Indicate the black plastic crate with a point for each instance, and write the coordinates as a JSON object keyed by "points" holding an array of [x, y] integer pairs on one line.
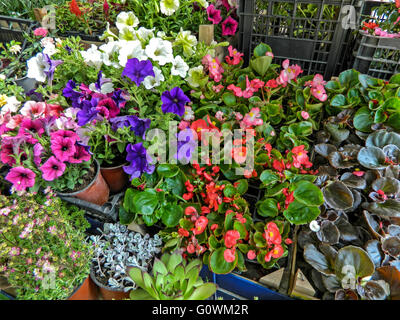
{"points": [[376, 56], [14, 28], [317, 42]]}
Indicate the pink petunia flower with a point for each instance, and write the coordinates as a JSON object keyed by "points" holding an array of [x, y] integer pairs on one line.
{"points": [[52, 169], [214, 15], [79, 156], [21, 178], [63, 148], [33, 109], [37, 153], [229, 26]]}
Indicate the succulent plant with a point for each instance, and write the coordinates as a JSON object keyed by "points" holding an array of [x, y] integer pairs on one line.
{"points": [[358, 228], [172, 278], [118, 248]]}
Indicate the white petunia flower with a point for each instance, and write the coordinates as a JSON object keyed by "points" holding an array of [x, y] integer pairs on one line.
{"points": [[50, 49], [151, 82], [194, 75], [203, 3], [160, 50], [168, 7], [127, 19], [187, 41], [2, 77], [109, 49], [36, 67], [179, 67], [129, 50], [93, 57], [144, 34], [314, 226], [12, 105]]}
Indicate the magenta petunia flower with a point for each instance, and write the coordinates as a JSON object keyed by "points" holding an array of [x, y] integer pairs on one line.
{"points": [[37, 153], [64, 134], [52, 169], [214, 15], [229, 26], [111, 106], [63, 148], [80, 155], [6, 153], [21, 178]]}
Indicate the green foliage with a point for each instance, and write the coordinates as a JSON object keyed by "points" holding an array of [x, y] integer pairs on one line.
{"points": [[172, 278]]}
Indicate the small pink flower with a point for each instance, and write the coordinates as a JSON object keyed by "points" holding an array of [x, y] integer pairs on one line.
{"points": [[15, 251], [319, 93], [236, 90], [218, 88], [358, 173], [229, 255], [234, 57], [251, 255], [40, 32], [220, 116], [183, 125], [305, 115], [269, 54]]}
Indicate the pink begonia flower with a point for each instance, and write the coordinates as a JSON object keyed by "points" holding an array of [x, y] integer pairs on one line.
{"points": [[21, 178], [251, 255], [238, 116], [234, 57], [52, 169], [40, 32], [236, 90], [218, 88], [269, 54], [229, 26], [253, 118], [183, 125], [319, 93], [214, 15], [220, 116], [229, 255], [305, 115]]}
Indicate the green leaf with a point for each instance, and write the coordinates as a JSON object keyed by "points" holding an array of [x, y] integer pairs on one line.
{"points": [[229, 99], [267, 207], [229, 190], [261, 64], [308, 193], [145, 202], [140, 294], [391, 105], [203, 292], [338, 100], [159, 267], [299, 213], [168, 170], [125, 217], [173, 262], [363, 120], [301, 129], [171, 214], [317, 260], [356, 259], [242, 186], [372, 158], [238, 226], [349, 78], [268, 177], [218, 264], [261, 50]]}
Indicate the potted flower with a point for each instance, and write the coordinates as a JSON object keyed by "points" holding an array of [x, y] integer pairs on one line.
{"points": [[40, 154], [116, 250], [44, 253]]}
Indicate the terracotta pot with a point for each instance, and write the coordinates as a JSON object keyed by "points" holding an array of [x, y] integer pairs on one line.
{"points": [[86, 291], [96, 192], [107, 293], [116, 178]]}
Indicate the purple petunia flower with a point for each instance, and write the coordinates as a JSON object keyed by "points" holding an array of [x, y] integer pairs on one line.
{"points": [[52, 169], [88, 111], [120, 122], [21, 178], [186, 145], [137, 70], [52, 65], [70, 92], [139, 126], [119, 97], [139, 161], [174, 101]]}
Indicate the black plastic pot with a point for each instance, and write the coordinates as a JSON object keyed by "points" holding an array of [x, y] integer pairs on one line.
{"points": [[14, 28], [27, 84]]}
